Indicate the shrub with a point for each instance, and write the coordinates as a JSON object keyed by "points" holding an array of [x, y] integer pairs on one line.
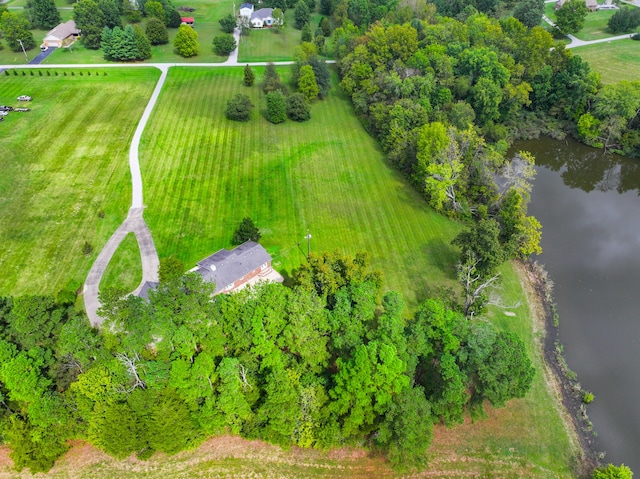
{"points": [[297, 108], [239, 108], [87, 248], [224, 44], [157, 32], [588, 397], [276, 107], [174, 20], [624, 20]]}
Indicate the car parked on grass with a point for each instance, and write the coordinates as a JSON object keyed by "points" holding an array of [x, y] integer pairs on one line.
{"points": [[611, 6], [24, 98]]}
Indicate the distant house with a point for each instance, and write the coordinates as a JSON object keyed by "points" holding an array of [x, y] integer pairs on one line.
{"points": [[246, 9], [187, 21], [232, 270], [63, 35], [592, 5], [262, 18]]}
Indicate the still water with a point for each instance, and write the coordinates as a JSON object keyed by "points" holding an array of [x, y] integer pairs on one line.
{"points": [[589, 207]]}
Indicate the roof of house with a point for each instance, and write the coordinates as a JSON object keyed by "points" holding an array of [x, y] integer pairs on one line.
{"points": [[247, 5], [146, 287], [262, 14], [227, 266], [187, 19], [63, 30]]}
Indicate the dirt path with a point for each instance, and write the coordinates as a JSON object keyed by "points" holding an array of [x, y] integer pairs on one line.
{"points": [[133, 224]]}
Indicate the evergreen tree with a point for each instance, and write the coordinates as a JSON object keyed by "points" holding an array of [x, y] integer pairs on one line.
{"points": [[301, 14], [224, 44], [249, 76], [307, 83], [186, 42], [271, 80], [174, 19], [247, 231], [43, 13], [297, 108], [143, 45], [276, 107], [228, 23], [239, 109], [157, 32], [306, 33], [154, 9]]}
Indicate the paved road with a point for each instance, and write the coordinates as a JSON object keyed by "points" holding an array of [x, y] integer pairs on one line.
{"points": [[576, 42], [133, 224]]}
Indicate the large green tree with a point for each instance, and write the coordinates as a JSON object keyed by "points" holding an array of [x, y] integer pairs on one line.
{"points": [[156, 32], [186, 42], [43, 13], [90, 20], [571, 16], [529, 12], [15, 29]]}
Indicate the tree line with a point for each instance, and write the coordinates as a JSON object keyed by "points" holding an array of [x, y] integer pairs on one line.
{"points": [[320, 364]]}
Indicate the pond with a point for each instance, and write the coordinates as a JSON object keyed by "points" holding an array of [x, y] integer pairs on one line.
{"points": [[589, 208]]}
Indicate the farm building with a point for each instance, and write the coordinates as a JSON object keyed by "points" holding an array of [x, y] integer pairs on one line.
{"points": [[63, 35], [232, 270], [187, 21]]}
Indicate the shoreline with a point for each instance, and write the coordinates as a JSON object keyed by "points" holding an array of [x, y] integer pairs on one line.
{"points": [[567, 391]]}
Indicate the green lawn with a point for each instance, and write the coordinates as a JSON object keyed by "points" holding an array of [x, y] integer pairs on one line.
{"points": [[595, 25], [205, 173], [615, 61], [270, 45], [125, 268], [63, 164]]}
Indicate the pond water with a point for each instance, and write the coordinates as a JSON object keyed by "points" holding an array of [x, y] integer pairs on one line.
{"points": [[589, 207]]}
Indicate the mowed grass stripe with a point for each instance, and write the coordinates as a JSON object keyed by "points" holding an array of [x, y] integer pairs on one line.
{"points": [[326, 175], [63, 163]]}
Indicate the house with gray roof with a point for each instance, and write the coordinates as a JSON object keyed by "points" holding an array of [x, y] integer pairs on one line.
{"points": [[63, 35], [232, 270], [262, 18]]}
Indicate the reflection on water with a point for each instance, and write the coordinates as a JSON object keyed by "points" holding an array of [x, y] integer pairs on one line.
{"points": [[586, 168], [588, 205]]}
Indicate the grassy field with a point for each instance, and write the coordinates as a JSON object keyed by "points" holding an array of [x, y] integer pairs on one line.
{"points": [[615, 61], [269, 45], [63, 165], [125, 269], [205, 173]]}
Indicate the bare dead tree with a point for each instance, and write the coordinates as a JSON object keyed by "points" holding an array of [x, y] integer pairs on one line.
{"points": [[243, 378], [473, 283], [131, 363]]}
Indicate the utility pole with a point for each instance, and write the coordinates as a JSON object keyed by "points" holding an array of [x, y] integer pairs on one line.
{"points": [[24, 51], [308, 243]]}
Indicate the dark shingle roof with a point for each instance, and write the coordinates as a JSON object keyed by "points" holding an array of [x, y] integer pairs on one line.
{"points": [[247, 5], [262, 14], [225, 267]]}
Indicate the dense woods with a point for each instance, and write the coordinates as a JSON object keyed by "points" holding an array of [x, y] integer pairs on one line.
{"points": [[320, 364]]}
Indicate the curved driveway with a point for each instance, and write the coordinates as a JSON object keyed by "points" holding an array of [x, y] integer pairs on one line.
{"points": [[133, 224]]}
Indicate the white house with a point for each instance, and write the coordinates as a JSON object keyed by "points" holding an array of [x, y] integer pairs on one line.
{"points": [[62, 35], [246, 9], [262, 18]]}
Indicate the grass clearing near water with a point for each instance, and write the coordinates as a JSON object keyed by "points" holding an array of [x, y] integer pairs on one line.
{"points": [[125, 268], [615, 61], [64, 163]]}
